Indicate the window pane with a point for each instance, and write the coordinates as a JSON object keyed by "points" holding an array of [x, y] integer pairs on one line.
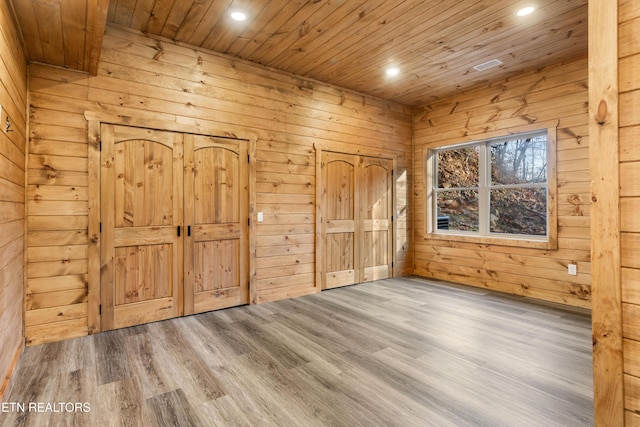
{"points": [[519, 161], [458, 168], [458, 210], [519, 211]]}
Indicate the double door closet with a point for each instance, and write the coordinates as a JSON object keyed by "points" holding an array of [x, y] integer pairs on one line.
{"points": [[174, 231], [356, 219]]}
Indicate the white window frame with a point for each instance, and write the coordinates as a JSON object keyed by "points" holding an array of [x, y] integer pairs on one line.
{"points": [[483, 235]]}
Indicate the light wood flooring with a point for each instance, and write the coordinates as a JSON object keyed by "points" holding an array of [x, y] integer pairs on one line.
{"points": [[401, 352]]}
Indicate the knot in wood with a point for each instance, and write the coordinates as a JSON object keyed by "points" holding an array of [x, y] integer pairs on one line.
{"points": [[601, 114]]}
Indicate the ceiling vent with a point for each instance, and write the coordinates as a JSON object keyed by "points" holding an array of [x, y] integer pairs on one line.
{"points": [[487, 65]]}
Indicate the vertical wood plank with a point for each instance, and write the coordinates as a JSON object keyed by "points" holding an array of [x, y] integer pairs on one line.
{"points": [[93, 274], [552, 185], [244, 207], [191, 255], [394, 210], [251, 250], [96, 22], [321, 241], [605, 217], [359, 195], [107, 255], [177, 290]]}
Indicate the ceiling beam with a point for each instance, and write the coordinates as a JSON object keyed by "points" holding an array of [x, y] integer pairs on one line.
{"points": [[96, 22]]}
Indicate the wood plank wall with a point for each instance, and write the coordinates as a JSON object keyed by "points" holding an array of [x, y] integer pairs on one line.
{"points": [[13, 99], [629, 152], [159, 80], [558, 93], [604, 167]]}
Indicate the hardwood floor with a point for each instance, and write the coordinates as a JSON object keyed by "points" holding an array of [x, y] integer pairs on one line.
{"points": [[402, 352]]}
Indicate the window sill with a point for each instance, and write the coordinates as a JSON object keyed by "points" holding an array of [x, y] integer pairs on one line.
{"points": [[521, 242]]}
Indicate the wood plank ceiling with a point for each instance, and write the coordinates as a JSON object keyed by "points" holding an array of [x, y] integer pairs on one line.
{"points": [[349, 43]]}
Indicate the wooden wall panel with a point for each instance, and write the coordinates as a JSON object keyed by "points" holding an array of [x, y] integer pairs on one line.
{"points": [[13, 102], [629, 87], [555, 94], [606, 112], [156, 79]]}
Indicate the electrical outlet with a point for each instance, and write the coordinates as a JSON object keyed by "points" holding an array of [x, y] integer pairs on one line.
{"points": [[572, 269]]}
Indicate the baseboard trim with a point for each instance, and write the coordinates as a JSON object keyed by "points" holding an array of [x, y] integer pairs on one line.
{"points": [[7, 382]]}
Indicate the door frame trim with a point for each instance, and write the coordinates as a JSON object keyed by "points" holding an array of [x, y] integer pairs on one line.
{"points": [[319, 240], [214, 129]]}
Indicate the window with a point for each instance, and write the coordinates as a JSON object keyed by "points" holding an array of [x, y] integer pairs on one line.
{"points": [[497, 188]]}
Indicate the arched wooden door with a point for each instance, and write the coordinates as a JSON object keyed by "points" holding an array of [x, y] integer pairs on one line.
{"points": [[174, 234], [376, 218], [216, 209], [356, 219], [141, 210], [340, 225]]}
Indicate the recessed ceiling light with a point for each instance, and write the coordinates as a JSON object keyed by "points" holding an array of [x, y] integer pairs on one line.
{"points": [[525, 11], [238, 15], [392, 71]]}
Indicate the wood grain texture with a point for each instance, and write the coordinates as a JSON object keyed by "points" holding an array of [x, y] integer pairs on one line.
{"points": [[558, 95], [216, 200], [348, 44], [141, 202], [391, 352], [13, 102], [629, 158], [187, 90], [66, 33], [355, 241]]}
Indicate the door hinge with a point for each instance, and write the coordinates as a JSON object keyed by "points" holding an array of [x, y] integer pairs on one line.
{"points": [[248, 158], [249, 221], [391, 218], [100, 143], [100, 310], [391, 264], [101, 227]]}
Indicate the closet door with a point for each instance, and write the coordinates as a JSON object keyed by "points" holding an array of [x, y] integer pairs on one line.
{"points": [[141, 210], [376, 218], [339, 223], [216, 214], [356, 243]]}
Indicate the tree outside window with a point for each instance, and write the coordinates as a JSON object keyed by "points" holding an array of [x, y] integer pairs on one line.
{"points": [[494, 187]]}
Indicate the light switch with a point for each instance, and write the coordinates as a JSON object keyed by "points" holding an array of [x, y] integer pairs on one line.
{"points": [[573, 269], [260, 217]]}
